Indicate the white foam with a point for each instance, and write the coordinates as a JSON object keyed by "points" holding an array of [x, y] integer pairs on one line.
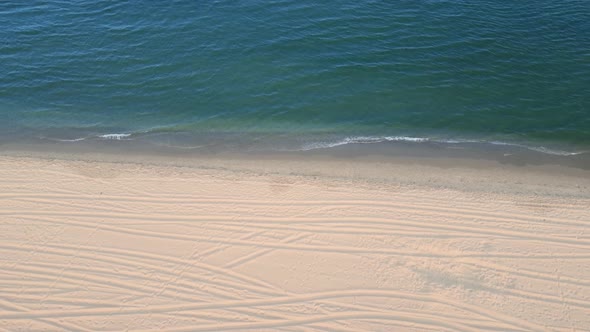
{"points": [[361, 140], [64, 139], [406, 139], [541, 149], [379, 139], [71, 140], [554, 152], [117, 137]]}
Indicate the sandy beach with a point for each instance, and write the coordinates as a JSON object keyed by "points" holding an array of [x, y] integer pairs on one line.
{"points": [[219, 244]]}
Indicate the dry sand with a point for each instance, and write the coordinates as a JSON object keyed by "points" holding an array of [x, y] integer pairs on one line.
{"points": [[216, 245]]}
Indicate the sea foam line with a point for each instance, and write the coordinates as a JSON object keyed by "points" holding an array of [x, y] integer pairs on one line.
{"points": [[117, 137], [361, 140], [380, 139], [364, 140], [67, 140]]}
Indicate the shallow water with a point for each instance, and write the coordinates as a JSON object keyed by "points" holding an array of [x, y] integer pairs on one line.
{"points": [[295, 74]]}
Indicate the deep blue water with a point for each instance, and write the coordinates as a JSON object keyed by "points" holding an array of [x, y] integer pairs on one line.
{"points": [[297, 73]]}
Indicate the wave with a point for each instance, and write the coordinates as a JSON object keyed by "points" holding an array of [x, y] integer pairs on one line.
{"points": [[66, 140], [117, 137], [359, 140], [331, 143], [381, 139]]}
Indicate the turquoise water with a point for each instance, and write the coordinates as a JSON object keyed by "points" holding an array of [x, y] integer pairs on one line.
{"points": [[297, 73]]}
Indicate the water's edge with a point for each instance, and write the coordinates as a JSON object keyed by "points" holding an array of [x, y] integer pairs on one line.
{"points": [[379, 148]]}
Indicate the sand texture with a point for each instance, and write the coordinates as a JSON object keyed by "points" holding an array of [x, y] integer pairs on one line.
{"points": [[101, 246]]}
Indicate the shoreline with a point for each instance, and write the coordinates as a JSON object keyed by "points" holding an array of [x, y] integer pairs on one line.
{"points": [[187, 143], [405, 164]]}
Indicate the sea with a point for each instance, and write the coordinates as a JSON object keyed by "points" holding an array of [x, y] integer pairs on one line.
{"points": [[296, 75]]}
